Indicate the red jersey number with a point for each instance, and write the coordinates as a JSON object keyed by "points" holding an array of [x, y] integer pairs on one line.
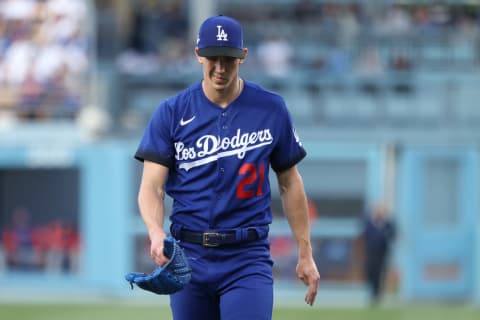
{"points": [[252, 176]]}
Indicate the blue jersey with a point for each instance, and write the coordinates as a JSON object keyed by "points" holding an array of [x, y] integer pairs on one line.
{"points": [[219, 158]]}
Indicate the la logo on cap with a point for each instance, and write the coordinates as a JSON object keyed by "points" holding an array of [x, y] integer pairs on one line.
{"points": [[221, 35]]}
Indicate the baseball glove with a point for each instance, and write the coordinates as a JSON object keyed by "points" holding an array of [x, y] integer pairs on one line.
{"points": [[166, 279]]}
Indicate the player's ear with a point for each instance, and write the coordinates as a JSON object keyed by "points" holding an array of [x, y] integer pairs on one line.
{"points": [[245, 51], [199, 59]]}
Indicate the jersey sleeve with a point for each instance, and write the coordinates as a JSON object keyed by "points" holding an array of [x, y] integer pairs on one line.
{"points": [[156, 144], [288, 150]]}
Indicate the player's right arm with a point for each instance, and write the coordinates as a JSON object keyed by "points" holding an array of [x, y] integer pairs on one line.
{"points": [[151, 197]]}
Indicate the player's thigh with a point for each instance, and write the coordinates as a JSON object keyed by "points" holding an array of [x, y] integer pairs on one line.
{"points": [[194, 302], [249, 298]]}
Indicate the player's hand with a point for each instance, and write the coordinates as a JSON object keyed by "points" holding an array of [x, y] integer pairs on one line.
{"points": [[156, 248], [307, 272]]}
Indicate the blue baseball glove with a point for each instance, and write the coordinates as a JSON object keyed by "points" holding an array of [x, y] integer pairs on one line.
{"points": [[166, 279]]}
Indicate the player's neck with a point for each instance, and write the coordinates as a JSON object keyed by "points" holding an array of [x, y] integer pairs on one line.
{"points": [[225, 96]]}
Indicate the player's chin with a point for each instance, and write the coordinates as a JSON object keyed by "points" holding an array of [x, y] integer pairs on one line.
{"points": [[220, 86]]}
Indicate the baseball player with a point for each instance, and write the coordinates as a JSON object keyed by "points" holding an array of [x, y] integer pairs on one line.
{"points": [[210, 148]]}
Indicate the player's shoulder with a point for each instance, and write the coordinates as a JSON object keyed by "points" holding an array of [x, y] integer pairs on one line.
{"points": [[269, 101], [261, 92], [180, 100], [182, 96]]}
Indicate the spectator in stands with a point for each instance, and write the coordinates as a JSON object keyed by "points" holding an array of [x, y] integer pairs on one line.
{"points": [[425, 23], [348, 26], [31, 97], [275, 55], [338, 61], [60, 95], [369, 67], [369, 63], [396, 22], [18, 55], [400, 62], [400, 66]]}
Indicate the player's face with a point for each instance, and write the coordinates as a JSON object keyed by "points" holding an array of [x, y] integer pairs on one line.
{"points": [[220, 72]]}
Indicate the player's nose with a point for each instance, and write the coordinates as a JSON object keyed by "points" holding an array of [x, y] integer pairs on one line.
{"points": [[220, 64]]}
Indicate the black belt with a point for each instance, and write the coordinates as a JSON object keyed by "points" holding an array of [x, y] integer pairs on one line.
{"points": [[216, 239]]}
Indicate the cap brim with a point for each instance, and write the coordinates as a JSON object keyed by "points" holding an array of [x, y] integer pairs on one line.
{"points": [[221, 52]]}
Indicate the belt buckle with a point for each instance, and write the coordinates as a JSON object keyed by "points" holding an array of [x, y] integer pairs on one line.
{"points": [[206, 239]]}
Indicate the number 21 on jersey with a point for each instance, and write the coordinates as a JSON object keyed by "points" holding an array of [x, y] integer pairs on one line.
{"points": [[251, 183]]}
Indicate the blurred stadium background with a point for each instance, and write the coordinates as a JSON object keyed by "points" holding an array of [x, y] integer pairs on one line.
{"points": [[385, 95]]}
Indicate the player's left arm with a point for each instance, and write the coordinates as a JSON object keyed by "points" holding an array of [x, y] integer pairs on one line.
{"points": [[294, 202]]}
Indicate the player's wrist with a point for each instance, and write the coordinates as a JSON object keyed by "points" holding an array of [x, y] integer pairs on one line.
{"points": [[304, 249], [156, 233]]}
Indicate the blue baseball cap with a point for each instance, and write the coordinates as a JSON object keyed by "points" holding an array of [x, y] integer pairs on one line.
{"points": [[220, 36]]}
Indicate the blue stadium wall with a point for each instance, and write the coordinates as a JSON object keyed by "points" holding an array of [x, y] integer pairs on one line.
{"points": [[109, 220]]}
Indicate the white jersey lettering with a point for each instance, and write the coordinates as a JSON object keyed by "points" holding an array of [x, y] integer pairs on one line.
{"points": [[209, 148]]}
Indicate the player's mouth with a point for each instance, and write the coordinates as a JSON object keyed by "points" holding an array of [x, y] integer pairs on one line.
{"points": [[219, 79]]}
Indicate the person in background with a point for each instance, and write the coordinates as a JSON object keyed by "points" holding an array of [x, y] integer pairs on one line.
{"points": [[379, 233]]}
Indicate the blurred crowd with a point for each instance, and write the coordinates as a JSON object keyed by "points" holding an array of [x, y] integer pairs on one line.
{"points": [[43, 58], [154, 35], [363, 38], [45, 45], [53, 246], [335, 37]]}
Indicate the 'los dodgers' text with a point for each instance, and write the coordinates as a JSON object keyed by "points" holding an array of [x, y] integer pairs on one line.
{"points": [[209, 148]]}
